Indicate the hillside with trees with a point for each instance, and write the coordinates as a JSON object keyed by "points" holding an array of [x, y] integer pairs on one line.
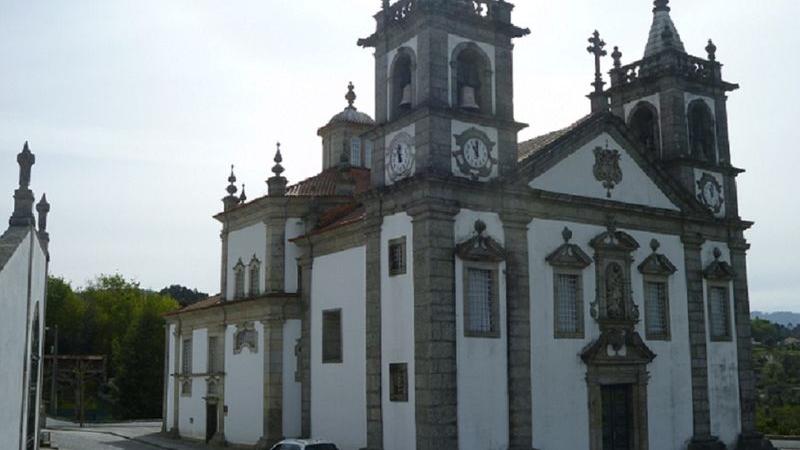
{"points": [[776, 357]]}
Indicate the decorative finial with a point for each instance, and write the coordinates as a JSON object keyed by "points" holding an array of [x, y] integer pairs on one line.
{"points": [[43, 208], [566, 233], [611, 225], [717, 253], [712, 50], [480, 227], [384, 4], [617, 55], [655, 245], [278, 169], [242, 196], [351, 95], [232, 186], [597, 49], [26, 160], [661, 5]]}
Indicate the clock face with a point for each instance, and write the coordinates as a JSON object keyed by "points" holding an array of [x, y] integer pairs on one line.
{"points": [[476, 153], [473, 155], [710, 193], [400, 157]]}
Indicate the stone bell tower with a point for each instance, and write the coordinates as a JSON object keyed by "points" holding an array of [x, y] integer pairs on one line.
{"points": [[444, 89], [675, 104]]}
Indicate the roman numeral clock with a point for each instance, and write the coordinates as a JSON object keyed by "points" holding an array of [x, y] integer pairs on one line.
{"points": [[475, 155]]}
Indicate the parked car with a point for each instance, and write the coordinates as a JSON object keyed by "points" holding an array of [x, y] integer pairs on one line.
{"points": [[305, 444]]}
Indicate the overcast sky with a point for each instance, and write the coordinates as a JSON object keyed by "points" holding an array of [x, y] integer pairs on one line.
{"points": [[136, 109]]}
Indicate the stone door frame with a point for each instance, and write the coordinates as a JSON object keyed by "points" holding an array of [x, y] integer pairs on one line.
{"points": [[637, 377]]}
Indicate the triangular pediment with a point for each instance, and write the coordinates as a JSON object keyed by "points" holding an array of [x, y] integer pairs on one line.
{"points": [[597, 160]]}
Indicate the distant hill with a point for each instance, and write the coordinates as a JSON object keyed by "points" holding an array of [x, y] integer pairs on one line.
{"points": [[783, 317]]}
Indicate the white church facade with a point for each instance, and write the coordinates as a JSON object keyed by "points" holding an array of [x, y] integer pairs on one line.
{"points": [[442, 285], [24, 260]]}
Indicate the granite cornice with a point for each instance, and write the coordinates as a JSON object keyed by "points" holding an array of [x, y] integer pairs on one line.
{"points": [[286, 305], [333, 241]]}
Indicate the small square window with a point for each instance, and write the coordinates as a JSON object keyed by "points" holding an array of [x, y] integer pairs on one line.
{"points": [[398, 378], [397, 256], [332, 337], [481, 303], [568, 305], [656, 304], [719, 313]]}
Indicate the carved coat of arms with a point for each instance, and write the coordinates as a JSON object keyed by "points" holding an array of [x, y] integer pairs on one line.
{"points": [[606, 168]]}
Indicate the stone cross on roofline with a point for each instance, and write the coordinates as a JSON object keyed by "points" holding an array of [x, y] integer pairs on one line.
{"points": [[598, 50]]}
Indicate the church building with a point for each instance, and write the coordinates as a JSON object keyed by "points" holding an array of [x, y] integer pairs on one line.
{"points": [[24, 261], [443, 285]]}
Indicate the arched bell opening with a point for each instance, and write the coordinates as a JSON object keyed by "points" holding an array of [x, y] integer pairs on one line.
{"points": [[643, 123], [472, 79], [402, 83], [702, 132]]}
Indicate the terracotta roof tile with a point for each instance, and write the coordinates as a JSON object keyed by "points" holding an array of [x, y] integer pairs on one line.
{"points": [[535, 145], [324, 183], [202, 304]]}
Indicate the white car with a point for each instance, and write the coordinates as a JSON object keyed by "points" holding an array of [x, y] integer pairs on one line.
{"points": [[305, 444]]}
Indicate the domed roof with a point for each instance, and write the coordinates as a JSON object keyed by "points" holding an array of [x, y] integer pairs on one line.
{"points": [[351, 114]]}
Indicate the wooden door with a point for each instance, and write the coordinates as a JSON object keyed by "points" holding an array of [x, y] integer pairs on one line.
{"points": [[617, 418]]}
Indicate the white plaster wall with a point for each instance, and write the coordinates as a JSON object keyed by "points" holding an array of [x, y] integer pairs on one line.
{"points": [[170, 387], [244, 390], [192, 415], [244, 243], [292, 395], [559, 385], [294, 228], [410, 44], [482, 362], [723, 366], [13, 297], [453, 41], [338, 400], [397, 335], [411, 131], [574, 175], [38, 284], [457, 129]]}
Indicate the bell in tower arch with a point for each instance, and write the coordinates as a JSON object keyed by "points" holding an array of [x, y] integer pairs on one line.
{"points": [[468, 98], [405, 100]]}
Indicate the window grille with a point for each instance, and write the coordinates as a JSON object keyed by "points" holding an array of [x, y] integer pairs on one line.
{"points": [[214, 355], [355, 152], [481, 304], [186, 357], [255, 278], [397, 256], [656, 309], [332, 336], [568, 304], [398, 377], [718, 312]]}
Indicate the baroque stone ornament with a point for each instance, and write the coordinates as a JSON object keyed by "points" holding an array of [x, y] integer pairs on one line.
{"points": [[245, 336], [607, 169], [481, 247], [657, 264], [568, 255], [719, 270], [475, 154], [709, 192]]}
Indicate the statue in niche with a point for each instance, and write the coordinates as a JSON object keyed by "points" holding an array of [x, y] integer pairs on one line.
{"points": [[615, 292]]}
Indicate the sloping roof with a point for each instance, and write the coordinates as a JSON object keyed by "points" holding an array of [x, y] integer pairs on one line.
{"points": [[202, 304], [324, 183], [9, 241], [535, 145], [663, 33], [352, 115]]}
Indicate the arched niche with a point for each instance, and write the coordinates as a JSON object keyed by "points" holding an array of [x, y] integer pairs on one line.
{"points": [[644, 124], [472, 67], [402, 74], [702, 131]]}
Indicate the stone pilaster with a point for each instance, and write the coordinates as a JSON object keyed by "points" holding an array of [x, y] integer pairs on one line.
{"points": [[273, 383], [166, 379], [276, 254], [701, 439], [519, 331], [373, 324], [176, 386], [223, 276], [306, 266], [435, 325]]}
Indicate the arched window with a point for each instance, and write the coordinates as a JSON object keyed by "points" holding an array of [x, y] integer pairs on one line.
{"points": [[255, 277], [643, 123], [472, 79], [355, 152], [238, 280], [702, 132], [402, 88]]}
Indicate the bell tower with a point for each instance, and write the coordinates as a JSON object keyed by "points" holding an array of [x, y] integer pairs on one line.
{"points": [[444, 90], [675, 105]]}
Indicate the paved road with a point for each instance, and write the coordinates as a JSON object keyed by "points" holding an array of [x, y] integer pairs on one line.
{"points": [[115, 436], [83, 440], [786, 445]]}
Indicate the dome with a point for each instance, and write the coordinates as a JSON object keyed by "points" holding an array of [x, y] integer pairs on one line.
{"points": [[351, 114]]}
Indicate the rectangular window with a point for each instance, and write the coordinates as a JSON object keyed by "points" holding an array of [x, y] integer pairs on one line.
{"points": [[332, 337], [355, 152], [215, 355], [481, 303], [719, 313], [238, 283], [656, 305], [255, 279], [398, 378], [397, 256], [186, 357], [568, 308]]}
